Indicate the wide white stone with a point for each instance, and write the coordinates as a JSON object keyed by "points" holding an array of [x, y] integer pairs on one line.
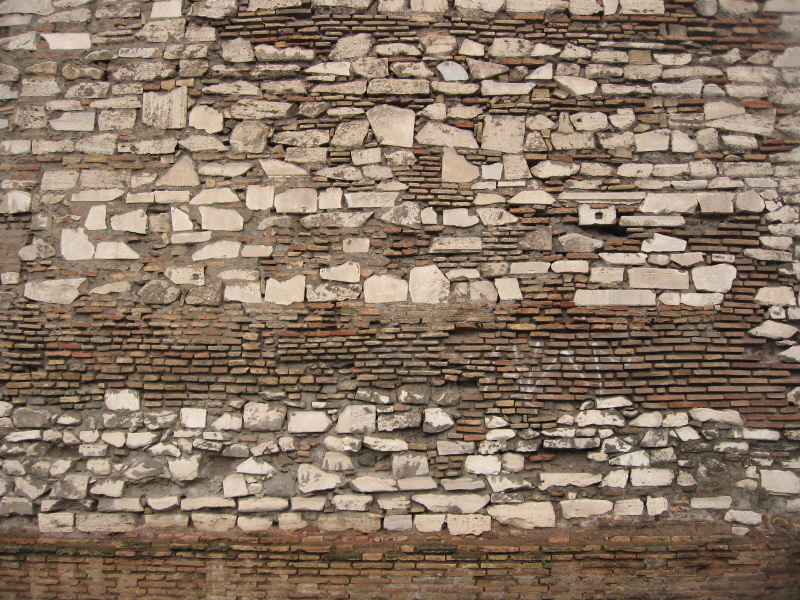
{"points": [[585, 508], [663, 243], [780, 482], [54, 291], [548, 480], [652, 477], [704, 415], [452, 503], [776, 296], [220, 219], [349, 272], [615, 298], [774, 330], [438, 134], [664, 279], [221, 249], [577, 86], [134, 221], [745, 517], [308, 421], [468, 524]]}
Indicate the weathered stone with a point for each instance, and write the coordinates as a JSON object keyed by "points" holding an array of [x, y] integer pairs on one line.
{"points": [[452, 503], [438, 134], [385, 288], [456, 168], [527, 515], [311, 479], [357, 419], [584, 508], [665, 279], [181, 174], [717, 278], [615, 298], [428, 285], [54, 291], [165, 111], [285, 292], [105, 522], [776, 296], [158, 292], [784, 483], [503, 133]]}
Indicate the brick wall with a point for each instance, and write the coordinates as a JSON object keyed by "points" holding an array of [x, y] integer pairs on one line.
{"points": [[624, 563]]}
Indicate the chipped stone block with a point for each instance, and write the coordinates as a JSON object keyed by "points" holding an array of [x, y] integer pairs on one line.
{"points": [[105, 522], [585, 508], [615, 298]]}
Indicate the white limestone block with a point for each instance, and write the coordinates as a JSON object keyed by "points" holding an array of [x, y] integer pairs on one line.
{"points": [[75, 244], [216, 250], [385, 288], [438, 134], [285, 292], [615, 298], [652, 477], [428, 285], [463, 504], [585, 508], [357, 419], [349, 272], [311, 479], [457, 169]]}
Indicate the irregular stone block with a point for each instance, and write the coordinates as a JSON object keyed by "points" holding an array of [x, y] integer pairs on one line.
{"points": [[158, 292], [285, 292], [585, 508], [455, 245], [385, 288], [460, 504], [468, 524], [438, 134], [428, 285], [652, 477], [105, 522], [504, 133], [665, 279], [357, 419], [729, 416], [165, 111], [311, 479], [457, 169], [526, 515], [784, 483], [615, 298], [343, 522], [308, 421], [54, 291]]}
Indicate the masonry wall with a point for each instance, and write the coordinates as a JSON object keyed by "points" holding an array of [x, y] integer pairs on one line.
{"points": [[461, 269]]}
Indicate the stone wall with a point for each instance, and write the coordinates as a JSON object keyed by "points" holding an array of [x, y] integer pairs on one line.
{"points": [[368, 265]]}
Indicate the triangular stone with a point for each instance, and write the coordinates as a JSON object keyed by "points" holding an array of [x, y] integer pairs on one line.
{"points": [[181, 174]]}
